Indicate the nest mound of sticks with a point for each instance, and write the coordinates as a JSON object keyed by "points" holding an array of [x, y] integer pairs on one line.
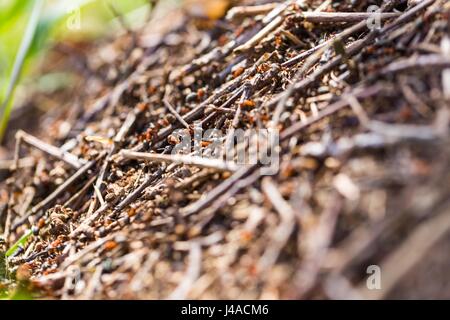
{"points": [[360, 99]]}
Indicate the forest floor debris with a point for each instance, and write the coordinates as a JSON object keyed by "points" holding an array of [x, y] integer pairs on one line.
{"points": [[109, 211]]}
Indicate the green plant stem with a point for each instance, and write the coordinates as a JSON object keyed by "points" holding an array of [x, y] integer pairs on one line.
{"points": [[18, 243], [5, 108]]}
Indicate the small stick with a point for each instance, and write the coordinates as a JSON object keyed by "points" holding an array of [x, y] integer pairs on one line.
{"points": [[416, 63], [185, 159], [67, 157], [285, 135], [421, 107], [138, 191], [293, 38], [419, 132], [15, 163], [114, 95], [55, 194], [336, 17], [308, 81], [118, 139], [138, 280], [246, 11], [107, 205], [287, 93], [68, 282], [275, 23], [126, 126], [407, 15], [219, 53], [314, 17], [198, 111], [7, 227], [98, 193], [324, 5], [74, 258], [206, 241], [217, 191], [221, 109], [192, 273], [29, 193], [26, 162], [222, 200], [199, 176], [340, 36], [317, 242], [445, 45], [303, 55], [423, 239], [92, 205], [80, 193], [176, 114], [283, 231], [303, 70], [331, 109], [94, 283], [89, 220], [355, 48]]}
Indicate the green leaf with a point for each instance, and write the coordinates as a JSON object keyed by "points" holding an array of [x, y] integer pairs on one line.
{"points": [[12, 11], [19, 243]]}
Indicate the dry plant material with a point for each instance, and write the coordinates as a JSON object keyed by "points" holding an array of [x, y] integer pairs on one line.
{"points": [[364, 157]]}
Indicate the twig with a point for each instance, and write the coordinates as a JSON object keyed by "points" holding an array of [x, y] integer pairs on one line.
{"points": [[114, 95], [29, 193], [226, 88], [337, 17], [80, 254], [318, 241], [55, 194], [415, 101], [199, 176], [418, 132], [192, 273], [25, 162], [283, 231], [416, 63], [138, 281], [89, 220], [339, 37], [260, 35], [221, 201], [184, 159], [98, 193], [138, 191], [407, 15], [217, 191], [94, 283], [77, 195], [246, 11], [333, 108], [206, 241], [176, 114], [422, 239], [356, 47], [67, 157], [118, 140]]}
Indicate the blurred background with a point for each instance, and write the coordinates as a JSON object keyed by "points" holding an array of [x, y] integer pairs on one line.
{"points": [[28, 28]]}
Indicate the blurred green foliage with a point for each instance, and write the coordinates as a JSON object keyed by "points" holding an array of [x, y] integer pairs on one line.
{"points": [[59, 19]]}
